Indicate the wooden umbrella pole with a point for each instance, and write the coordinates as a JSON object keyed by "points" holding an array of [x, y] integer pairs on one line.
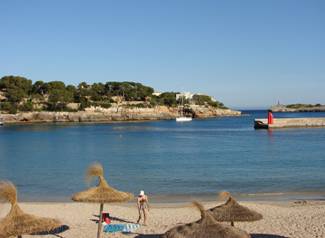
{"points": [[100, 220], [19, 236]]}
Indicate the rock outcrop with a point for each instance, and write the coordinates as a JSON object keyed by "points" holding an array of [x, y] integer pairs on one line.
{"points": [[115, 114]]}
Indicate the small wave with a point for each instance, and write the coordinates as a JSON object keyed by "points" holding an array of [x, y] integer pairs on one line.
{"points": [[265, 194]]}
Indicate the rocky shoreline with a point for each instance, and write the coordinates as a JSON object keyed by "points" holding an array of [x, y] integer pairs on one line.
{"points": [[114, 114]]}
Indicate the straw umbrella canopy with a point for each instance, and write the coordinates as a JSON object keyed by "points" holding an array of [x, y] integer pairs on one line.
{"points": [[206, 227], [101, 194], [18, 223], [232, 211]]}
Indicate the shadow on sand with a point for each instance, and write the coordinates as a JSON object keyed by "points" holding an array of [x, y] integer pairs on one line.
{"points": [[113, 219], [121, 220], [148, 236], [252, 236], [266, 236], [54, 232]]}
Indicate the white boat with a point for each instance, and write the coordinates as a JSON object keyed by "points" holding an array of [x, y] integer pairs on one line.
{"points": [[1, 123], [183, 119]]}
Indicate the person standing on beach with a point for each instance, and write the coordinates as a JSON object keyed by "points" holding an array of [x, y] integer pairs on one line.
{"points": [[143, 206]]}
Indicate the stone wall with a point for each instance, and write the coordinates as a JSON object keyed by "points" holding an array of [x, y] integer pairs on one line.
{"points": [[290, 123]]}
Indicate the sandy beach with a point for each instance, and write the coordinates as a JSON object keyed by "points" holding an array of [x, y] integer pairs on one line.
{"points": [[281, 219]]}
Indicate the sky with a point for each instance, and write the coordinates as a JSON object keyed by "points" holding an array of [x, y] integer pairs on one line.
{"points": [[246, 54]]}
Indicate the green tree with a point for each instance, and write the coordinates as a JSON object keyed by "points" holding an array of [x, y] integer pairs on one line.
{"points": [[40, 88], [131, 91], [72, 92], [97, 92], [168, 99], [206, 100], [17, 88], [59, 95], [8, 107]]}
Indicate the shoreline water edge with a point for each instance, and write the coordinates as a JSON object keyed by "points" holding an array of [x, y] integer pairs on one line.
{"points": [[114, 115], [183, 199]]}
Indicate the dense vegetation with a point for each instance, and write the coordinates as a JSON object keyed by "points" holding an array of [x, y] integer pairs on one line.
{"points": [[205, 99], [21, 94]]}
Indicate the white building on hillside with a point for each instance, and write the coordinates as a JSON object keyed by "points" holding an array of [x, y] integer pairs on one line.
{"points": [[156, 94], [186, 95]]}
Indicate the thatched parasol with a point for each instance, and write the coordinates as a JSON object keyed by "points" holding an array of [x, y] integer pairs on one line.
{"points": [[103, 193], [206, 227], [18, 223], [232, 211]]}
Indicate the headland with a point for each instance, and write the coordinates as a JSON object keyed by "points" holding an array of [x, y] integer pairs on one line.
{"points": [[22, 101]]}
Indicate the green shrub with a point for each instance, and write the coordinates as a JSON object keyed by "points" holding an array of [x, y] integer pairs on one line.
{"points": [[207, 100], [26, 107], [105, 104], [8, 107], [57, 107], [168, 99]]}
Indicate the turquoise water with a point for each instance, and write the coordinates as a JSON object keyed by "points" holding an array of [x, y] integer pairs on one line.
{"points": [[48, 162]]}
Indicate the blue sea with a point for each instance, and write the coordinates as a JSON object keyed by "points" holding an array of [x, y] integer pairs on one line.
{"points": [[47, 162]]}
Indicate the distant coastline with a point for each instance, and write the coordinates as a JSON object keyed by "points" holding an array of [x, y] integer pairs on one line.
{"points": [[298, 108]]}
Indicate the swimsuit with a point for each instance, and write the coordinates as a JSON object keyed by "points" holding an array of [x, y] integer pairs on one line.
{"points": [[143, 204]]}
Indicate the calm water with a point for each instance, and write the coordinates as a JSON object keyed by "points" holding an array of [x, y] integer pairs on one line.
{"points": [[165, 157]]}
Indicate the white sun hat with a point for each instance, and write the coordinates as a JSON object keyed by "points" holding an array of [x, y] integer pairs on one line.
{"points": [[141, 193]]}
